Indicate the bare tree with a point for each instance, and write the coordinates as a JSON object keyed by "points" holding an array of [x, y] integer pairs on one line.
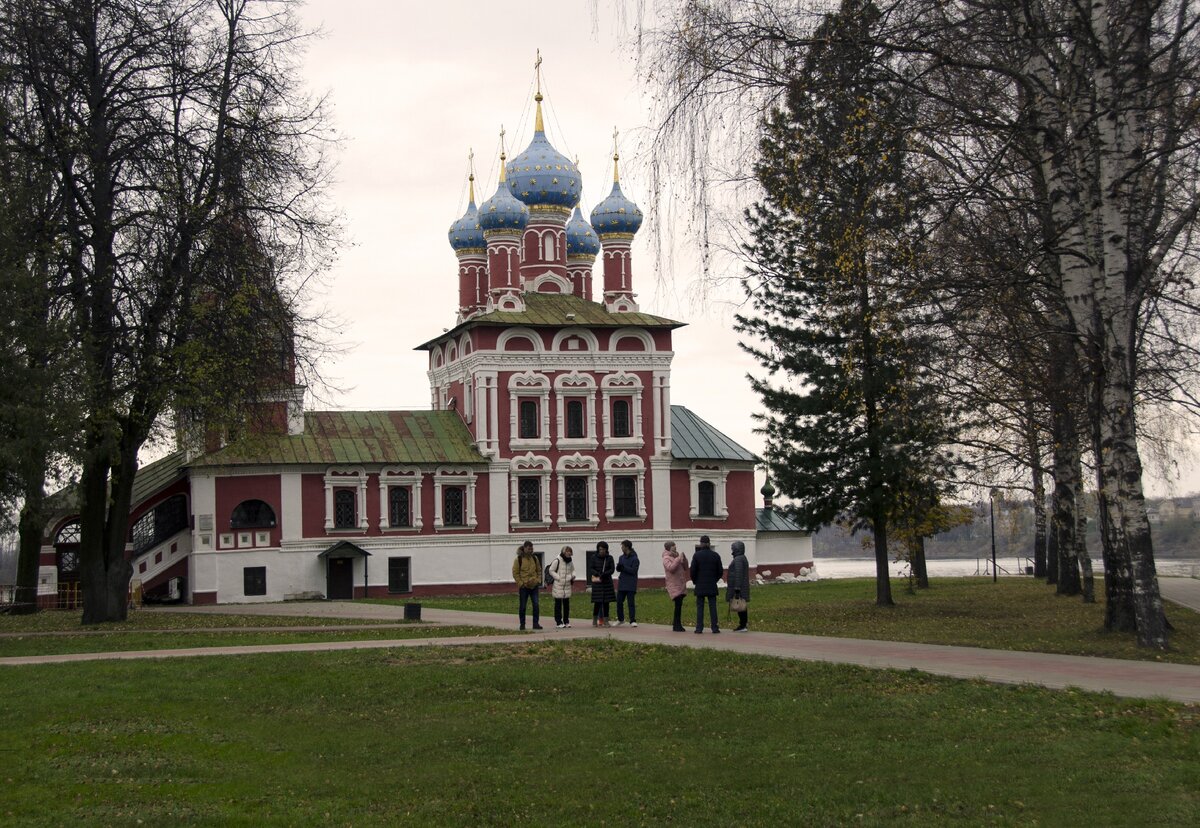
{"points": [[179, 141]]}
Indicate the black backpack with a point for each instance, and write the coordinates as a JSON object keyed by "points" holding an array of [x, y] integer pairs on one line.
{"points": [[547, 578]]}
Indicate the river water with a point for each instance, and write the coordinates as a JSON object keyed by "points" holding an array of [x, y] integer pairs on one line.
{"points": [[967, 567]]}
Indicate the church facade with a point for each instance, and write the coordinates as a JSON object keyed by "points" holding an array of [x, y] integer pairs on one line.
{"points": [[551, 420]]}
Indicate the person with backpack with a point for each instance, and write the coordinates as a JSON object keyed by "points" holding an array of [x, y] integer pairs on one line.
{"points": [[561, 575], [737, 586], [675, 571], [528, 577], [600, 576], [627, 567], [706, 572]]}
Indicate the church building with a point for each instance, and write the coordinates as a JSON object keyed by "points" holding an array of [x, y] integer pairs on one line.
{"points": [[551, 420]]}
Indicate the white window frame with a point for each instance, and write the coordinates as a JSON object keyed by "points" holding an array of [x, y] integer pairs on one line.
{"points": [[575, 386], [622, 384], [625, 465], [344, 477], [408, 477], [454, 476], [529, 384], [715, 474], [577, 465], [529, 465]]}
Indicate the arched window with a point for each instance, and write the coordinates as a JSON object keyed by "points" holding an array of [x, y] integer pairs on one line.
{"points": [[707, 506], [625, 496], [548, 251], [344, 502], [452, 506], [575, 421], [252, 514], [68, 534], [399, 506], [620, 421]]}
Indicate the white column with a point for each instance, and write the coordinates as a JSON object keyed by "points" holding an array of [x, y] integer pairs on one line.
{"points": [[291, 516], [498, 498], [328, 503], [660, 482]]}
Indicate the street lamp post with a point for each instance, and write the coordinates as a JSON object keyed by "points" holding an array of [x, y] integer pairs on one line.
{"points": [[992, 495]]}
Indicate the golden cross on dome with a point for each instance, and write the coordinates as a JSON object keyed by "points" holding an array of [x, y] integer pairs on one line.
{"points": [[538, 125], [616, 155], [502, 156], [471, 171]]}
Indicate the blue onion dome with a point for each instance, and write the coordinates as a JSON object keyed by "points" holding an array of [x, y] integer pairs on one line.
{"points": [[503, 211], [616, 214], [466, 234], [581, 238], [542, 175]]}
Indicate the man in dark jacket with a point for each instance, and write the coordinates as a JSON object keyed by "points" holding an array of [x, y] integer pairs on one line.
{"points": [[706, 571]]}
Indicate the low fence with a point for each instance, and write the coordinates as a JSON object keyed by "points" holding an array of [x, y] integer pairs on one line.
{"points": [[68, 596]]}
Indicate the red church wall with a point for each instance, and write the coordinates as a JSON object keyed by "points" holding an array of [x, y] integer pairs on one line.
{"points": [[312, 505], [739, 499], [230, 491]]}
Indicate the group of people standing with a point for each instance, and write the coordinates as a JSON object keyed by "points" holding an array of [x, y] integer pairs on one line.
{"points": [[704, 570]]}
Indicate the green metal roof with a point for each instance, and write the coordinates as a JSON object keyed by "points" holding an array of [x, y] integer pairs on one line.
{"points": [[149, 479], [346, 437], [694, 439], [556, 310], [773, 520]]}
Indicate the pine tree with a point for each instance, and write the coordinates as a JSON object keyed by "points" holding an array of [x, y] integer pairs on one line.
{"points": [[852, 415]]}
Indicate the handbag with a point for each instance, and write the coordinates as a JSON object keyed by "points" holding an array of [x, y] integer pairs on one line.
{"points": [[738, 604]]}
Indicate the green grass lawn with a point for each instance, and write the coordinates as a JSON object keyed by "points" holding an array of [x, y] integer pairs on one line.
{"points": [[70, 621], [576, 733], [1013, 614], [132, 640]]}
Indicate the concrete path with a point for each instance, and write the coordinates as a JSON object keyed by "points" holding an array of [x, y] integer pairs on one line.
{"points": [[1137, 679], [1184, 591]]}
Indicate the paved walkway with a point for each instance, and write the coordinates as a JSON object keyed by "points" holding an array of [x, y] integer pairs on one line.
{"points": [[1185, 591], [1138, 679]]}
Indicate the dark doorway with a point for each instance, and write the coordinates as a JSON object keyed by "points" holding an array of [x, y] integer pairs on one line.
{"points": [[340, 578]]}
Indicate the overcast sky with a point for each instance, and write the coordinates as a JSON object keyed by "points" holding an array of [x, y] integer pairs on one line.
{"points": [[414, 87]]}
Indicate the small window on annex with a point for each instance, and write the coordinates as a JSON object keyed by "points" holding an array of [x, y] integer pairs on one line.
{"points": [[453, 513], [399, 506], [345, 511], [620, 419], [252, 514], [254, 580], [625, 496], [575, 423], [708, 499], [527, 422], [576, 498], [529, 500], [398, 575]]}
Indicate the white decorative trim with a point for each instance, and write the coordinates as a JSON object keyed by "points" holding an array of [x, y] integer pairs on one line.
{"points": [[622, 465], [534, 285], [575, 386], [345, 477], [661, 429], [520, 333], [715, 474], [578, 465], [454, 476], [407, 476], [639, 334], [622, 384], [451, 352], [586, 335], [529, 384], [529, 465]]}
